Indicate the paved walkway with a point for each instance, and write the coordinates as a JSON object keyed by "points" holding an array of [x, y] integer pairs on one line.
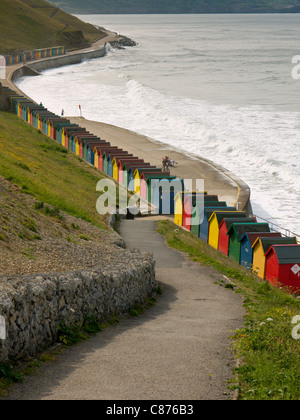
{"points": [[178, 349]]}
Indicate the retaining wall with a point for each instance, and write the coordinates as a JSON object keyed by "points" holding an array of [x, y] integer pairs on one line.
{"points": [[34, 68], [32, 306]]}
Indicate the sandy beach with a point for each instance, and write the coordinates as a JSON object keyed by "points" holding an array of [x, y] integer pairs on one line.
{"points": [[217, 180]]}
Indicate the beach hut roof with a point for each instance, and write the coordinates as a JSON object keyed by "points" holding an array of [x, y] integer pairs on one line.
{"points": [[116, 155], [107, 149], [129, 159], [237, 219], [210, 210], [95, 145], [254, 236], [146, 176], [241, 228], [72, 128], [214, 203], [92, 140], [286, 254], [267, 242], [220, 215], [148, 171], [133, 168]]}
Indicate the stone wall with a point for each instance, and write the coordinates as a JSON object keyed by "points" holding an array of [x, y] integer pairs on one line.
{"points": [[34, 305]]}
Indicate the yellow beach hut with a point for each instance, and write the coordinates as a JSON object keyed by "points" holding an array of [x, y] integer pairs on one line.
{"points": [[178, 208], [137, 176], [115, 169], [214, 225], [261, 246], [179, 204]]}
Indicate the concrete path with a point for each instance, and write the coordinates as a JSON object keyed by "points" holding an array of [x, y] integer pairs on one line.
{"points": [[178, 349]]}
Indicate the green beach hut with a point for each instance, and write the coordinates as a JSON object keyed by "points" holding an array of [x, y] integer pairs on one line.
{"points": [[237, 231]]}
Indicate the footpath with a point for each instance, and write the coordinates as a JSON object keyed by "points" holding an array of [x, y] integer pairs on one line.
{"points": [[178, 349]]}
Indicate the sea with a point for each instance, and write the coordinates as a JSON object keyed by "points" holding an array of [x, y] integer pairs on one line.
{"points": [[222, 87]]}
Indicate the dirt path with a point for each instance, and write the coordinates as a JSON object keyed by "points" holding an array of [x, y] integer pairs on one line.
{"points": [[179, 349]]}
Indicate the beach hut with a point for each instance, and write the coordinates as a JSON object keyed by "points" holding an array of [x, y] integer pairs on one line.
{"points": [[225, 226], [70, 132], [115, 169], [132, 171], [247, 242], [91, 151], [215, 221], [64, 133], [53, 123], [130, 168], [198, 213], [159, 189], [78, 143], [92, 146], [261, 246], [192, 202], [283, 267], [90, 138], [112, 156], [122, 163], [59, 124], [104, 154], [236, 232], [179, 205], [204, 220], [137, 177]]}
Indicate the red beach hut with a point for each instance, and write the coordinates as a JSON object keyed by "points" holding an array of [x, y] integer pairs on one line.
{"points": [[283, 266], [224, 228], [190, 202]]}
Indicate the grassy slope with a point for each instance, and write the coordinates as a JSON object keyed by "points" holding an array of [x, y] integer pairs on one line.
{"points": [[270, 355], [47, 171], [31, 24]]}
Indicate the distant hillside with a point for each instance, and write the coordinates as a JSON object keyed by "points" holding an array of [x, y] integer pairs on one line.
{"points": [[31, 24], [178, 6]]}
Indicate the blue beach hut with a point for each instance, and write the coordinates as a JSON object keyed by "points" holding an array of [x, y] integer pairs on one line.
{"points": [[204, 225], [247, 241]]}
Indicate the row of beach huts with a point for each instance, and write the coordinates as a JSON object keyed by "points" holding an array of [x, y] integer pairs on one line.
{"points": [[270, 255], [21, 57], [130, 171]]}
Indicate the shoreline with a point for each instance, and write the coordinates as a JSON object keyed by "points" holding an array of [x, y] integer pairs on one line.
{"points": [[218, 180]]}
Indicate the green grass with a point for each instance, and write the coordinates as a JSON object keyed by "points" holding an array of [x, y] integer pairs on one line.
{"points": [[270, 355], [32, 24], [48, 172]]}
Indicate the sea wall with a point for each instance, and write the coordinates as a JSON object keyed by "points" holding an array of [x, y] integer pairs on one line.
{"points": [[55, 62], [21, 57], [32, 306]]}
